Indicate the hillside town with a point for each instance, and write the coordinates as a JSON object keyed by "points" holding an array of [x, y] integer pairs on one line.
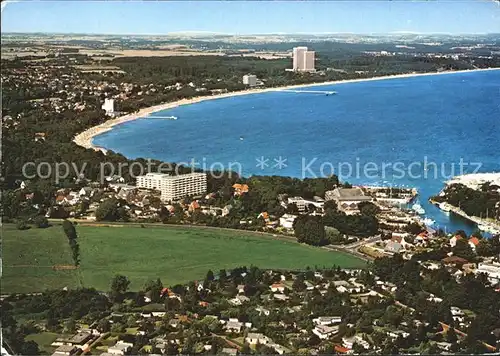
{"points": [[246, 311]]}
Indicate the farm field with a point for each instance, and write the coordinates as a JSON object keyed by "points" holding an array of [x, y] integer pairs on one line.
{"points": [[32, 260], [173, 254]]}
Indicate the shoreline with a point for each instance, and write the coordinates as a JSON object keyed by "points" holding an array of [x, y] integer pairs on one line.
{"points": [[85, 138], [474, 219]]}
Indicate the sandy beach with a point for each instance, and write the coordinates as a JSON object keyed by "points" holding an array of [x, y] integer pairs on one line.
{"points": [[85, 138]]}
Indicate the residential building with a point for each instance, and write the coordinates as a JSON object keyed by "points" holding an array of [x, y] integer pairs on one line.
{"points": [[325, 331], [277, 287], [492, 270], [174, 187], [356, 339], [229, 351], [109, 106], [327, 320], [234, 326], [65, 350], [250, 80], [257, 338], [299, 202], [393, 247], [120, 348], [303, 60]]}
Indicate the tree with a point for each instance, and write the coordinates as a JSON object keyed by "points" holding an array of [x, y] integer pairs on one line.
{"points": [[69, 229], [246, 350], [462, 249], [333, 235], [451, 336], [153, 289], [485, 248], [368, 208], [118, 328], [414, 228], [22, 225], [298, 284], [70, 326], [41, 222], [292, 209], [310, 230], [210, 276], [29, 348], [119, 286], [103, 325], [110, 210]]}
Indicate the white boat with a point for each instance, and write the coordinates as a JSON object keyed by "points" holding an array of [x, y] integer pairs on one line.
{"points": [[418, 209], [428, 222], [487, 228], [444, 207]]}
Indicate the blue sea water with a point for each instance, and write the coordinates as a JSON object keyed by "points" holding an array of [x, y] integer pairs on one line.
{"points": [[401, 132]]}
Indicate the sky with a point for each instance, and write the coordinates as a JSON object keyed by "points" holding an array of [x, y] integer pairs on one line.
{"points": [[252, 17]]}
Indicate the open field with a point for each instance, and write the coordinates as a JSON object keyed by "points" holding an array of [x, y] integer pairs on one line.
{"points": [[29, 257], [174, 254], [44, 340]]}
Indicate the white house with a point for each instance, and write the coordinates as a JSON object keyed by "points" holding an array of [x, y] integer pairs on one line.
{"points": [[257, 338], [287, 221], [239, 300], [356, 339], [324, 331], [281, 297], [327, 320], [233, 326], [120, 348]]}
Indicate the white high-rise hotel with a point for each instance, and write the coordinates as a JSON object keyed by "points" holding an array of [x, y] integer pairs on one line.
{"points": [[174, 187], [303, 60]]}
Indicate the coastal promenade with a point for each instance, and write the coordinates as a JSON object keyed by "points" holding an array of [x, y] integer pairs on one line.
{"points": [[84, 139]]}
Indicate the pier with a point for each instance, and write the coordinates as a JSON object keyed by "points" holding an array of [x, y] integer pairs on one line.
{"points": [[161, 117], [324, 92]]}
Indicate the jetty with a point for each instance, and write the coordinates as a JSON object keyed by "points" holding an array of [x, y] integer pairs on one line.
{"points": [[324, 92], [161, 117]]}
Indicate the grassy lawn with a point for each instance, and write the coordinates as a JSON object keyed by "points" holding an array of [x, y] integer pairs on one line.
{"points": [[176, 255], [44, 340], [173, 254], [28, 258]]}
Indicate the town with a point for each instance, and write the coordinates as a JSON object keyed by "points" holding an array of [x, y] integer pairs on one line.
{"points": [[192, 261]]}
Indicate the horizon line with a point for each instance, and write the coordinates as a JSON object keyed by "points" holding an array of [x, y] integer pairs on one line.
{"points": [[205, 33]]}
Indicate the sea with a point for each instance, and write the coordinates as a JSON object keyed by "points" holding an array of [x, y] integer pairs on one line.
{"points": [[401, 132]]}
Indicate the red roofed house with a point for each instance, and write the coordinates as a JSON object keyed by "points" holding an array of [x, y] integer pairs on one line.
{"points": [[240, 189], [193, 206], [473, 242], [278, 287], [342, 349]]}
